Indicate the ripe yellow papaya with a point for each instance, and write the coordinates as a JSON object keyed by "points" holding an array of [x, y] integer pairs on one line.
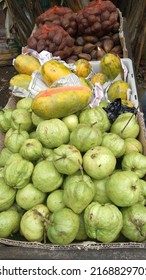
{"points": [[53, 70], [111, 66], [26, 64], [83, 68], [99, 78], [60, 102], [118, 89], [20, 80]]}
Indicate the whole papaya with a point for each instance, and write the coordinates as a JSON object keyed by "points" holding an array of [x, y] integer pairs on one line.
{"points": [[111, 66], [20, 80], [60, 102], [53, 70], [83, 68], [26, 64]]}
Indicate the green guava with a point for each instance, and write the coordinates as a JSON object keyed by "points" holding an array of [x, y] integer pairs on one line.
{"points": [[36, 119], [135, 162], [5, 119], [52, 133], [55, 200], [95, 116], [115, 143], [7, 195], [21, 119], [123, 188], [14, 139], [32, 225], [29, 196], [45, 176], [126, 125], [103, 222], [33, 135], [133, 145], [24, 103], [31, 149], [17, 172], [71, 121], [47, 154], [63, 226], [67, 159], [78, 192], [134, 222], [99, 162], [100, 191], [4, 156], [81, 234], [85, 137], [9, 223]]}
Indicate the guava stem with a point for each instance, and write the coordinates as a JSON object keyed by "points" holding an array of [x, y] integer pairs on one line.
{"points": [[45, 237], [19, 128], [93, 124], [44, 219], [64, 156], [127, 123], [81, 168]]}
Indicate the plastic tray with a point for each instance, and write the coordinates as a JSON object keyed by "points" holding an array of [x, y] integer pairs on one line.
{"points": [[130, 78]]}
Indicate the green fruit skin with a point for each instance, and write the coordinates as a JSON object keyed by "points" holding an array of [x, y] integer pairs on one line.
{"points": [[133, 144], [52, 133], [100, 191], [136, 162], [17, 173], [81, 234], [95, 116], [99, 162], [32, 223], [78, 192], [125, 126], [7, 195], [67, 159], [71, 121], [9, 223], [14, 139], [85, 136], [24, 103], [36, 119], [63, 227], [29, 196], [5, 119], [103, 222], [21, 119], [45, 176], [31, 149], [54, 200], [119, 146], [123, 188], [4, 156], [134, 222]]}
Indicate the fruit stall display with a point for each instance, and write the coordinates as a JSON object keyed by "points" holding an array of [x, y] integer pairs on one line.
{"points": [[72, 166]]}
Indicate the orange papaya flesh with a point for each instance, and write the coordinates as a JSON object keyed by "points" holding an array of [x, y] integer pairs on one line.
{"points": [[61, 102], [59, 90]]}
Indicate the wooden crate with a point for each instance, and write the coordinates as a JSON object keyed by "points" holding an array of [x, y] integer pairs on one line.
{"points": [[6, 57]]}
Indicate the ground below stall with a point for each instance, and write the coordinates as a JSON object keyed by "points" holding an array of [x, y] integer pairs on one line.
{"points": [[7, 72]]}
